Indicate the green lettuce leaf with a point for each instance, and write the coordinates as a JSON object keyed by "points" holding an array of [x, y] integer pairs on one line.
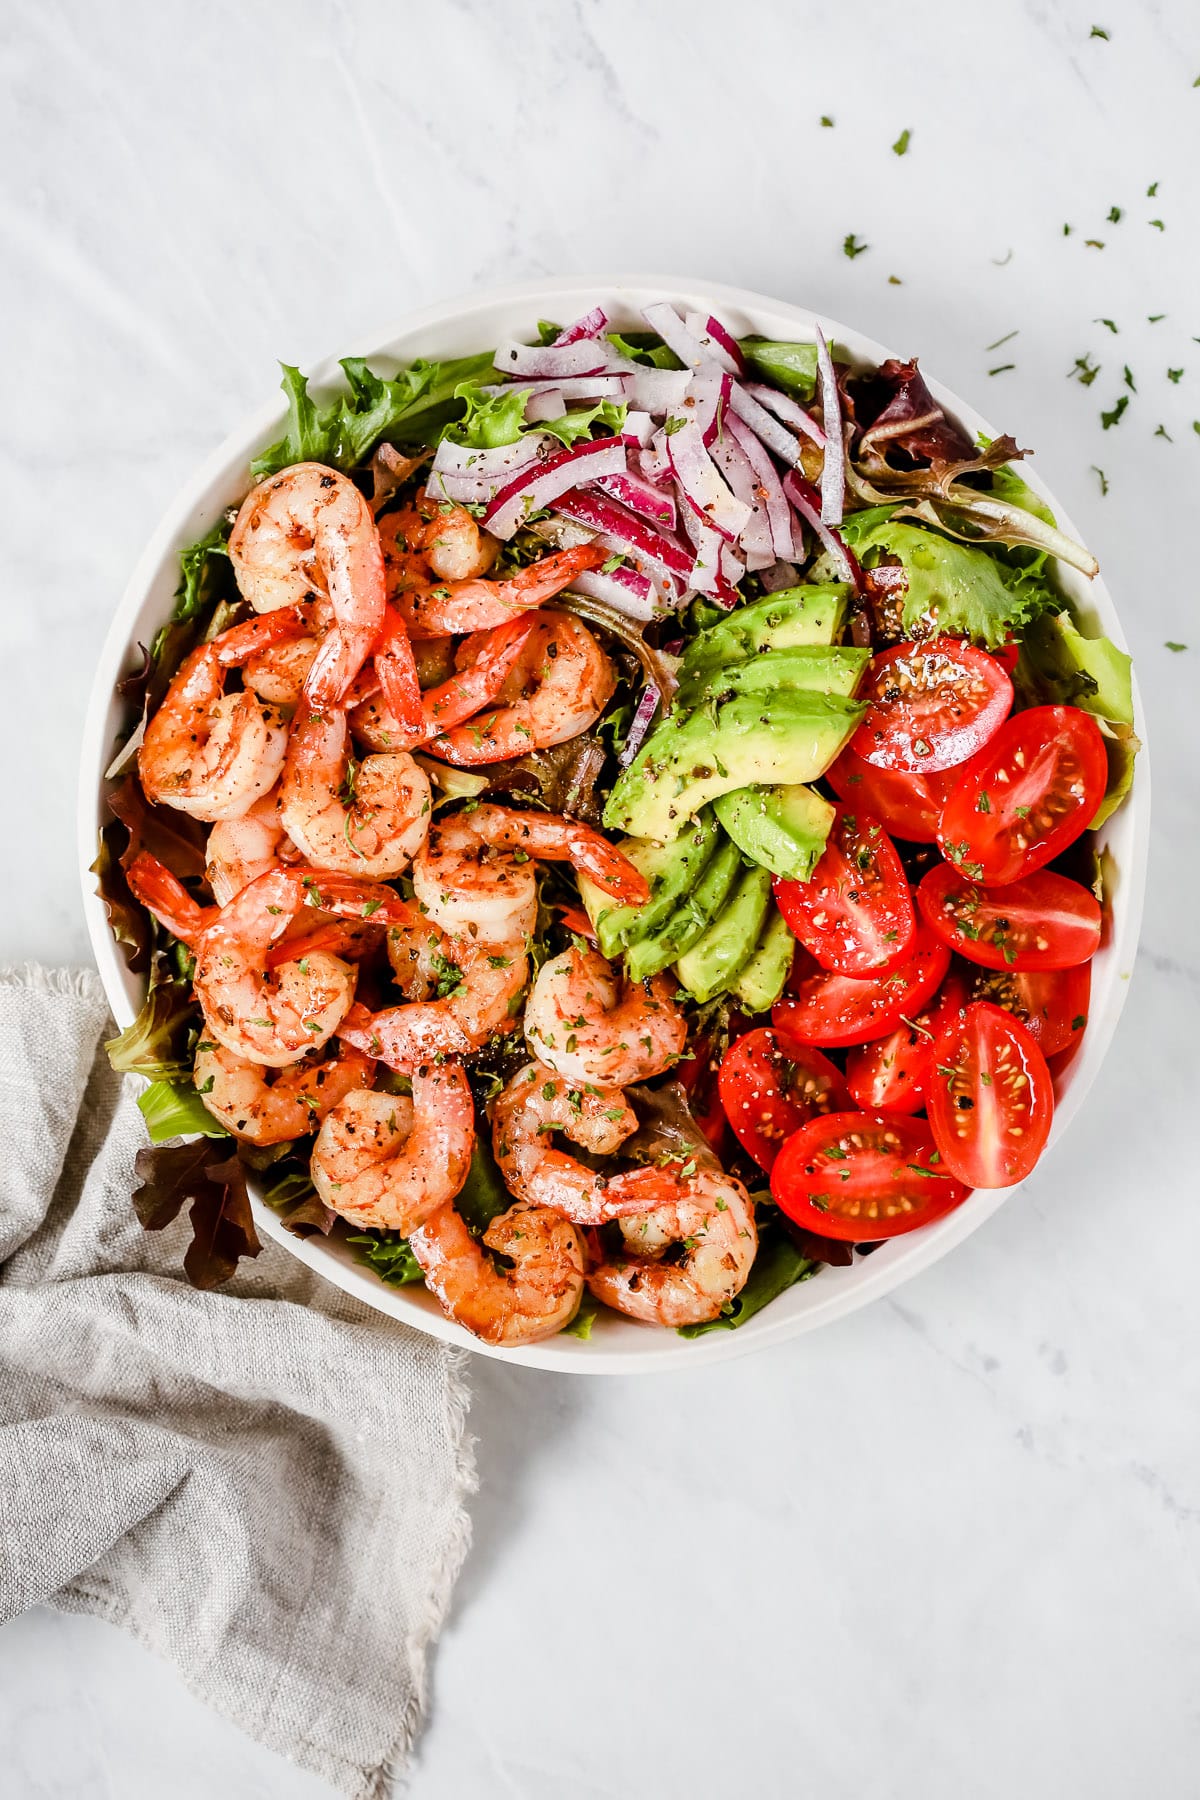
{"points": [[779, 1265], [490, 420], [575, 425], [158, 1042], [585, 1318], [389, 1255], [644, 347], [969, 591], [174, 1109], [411, 407], [792, 367]]}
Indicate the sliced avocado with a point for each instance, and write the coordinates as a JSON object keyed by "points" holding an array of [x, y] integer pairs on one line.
{"points": [[783, 828], [824, 669], [713, 961], [672, 870], [812, 614], [691, 917], [792, 736], [759, 982]]}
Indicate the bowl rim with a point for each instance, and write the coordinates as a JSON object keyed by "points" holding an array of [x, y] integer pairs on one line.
{"points": [[651, 1350]]}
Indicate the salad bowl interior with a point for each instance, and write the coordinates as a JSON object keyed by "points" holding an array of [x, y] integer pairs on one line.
{"points": [[616, 1345]]}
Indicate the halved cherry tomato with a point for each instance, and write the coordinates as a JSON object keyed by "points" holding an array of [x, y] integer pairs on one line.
{"points": [[1008, 655], [1032, 792], [932, 705], [862, 1176], [1042, 922], [1052, 1004], [992, 1099], [767, 1095], [856, 913], [825, 1008], [892, 1072], [907, 804]]}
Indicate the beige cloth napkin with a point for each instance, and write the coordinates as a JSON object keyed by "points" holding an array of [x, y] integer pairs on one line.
{"points": [[265, 1484]]}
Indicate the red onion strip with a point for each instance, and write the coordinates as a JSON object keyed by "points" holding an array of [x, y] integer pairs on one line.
{"points": [[590, 326], [804, 505], [628, 590], [761, 423], [701, 484], [787, 409], [779, 517], [642, 720], [663, 318], [779, 575], [530, 493], [735, 465], [657, 391], [642, 497], [550, 362], [833, 470]]}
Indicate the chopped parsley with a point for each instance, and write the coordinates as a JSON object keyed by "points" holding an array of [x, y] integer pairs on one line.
{"points": [[1171, 645], [902, 142], [1113, 416], [1175, 375], [1084, 370], [1103, 478], [851, 246], [1003, 340]]}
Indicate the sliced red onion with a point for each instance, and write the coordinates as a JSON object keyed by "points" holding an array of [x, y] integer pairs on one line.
{"points": [[638, 428], [642, 720], [524, 494], [622, 531], [641, 497], [805, 499], [706, 576], [734, 464], [657, 391], [590, 326], [571, 387], [707, 401], [550, 362], [779, 575], [785, 408], [761, 423], [732, 567], [626, 589], [663, 318], [833, 469], [702, 486], [460, 473], [716, 342], [545, 403], [757, 560], [654, 463], [779, 517]]}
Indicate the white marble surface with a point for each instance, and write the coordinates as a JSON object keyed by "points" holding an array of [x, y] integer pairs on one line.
{"points": [[947, 1547]]}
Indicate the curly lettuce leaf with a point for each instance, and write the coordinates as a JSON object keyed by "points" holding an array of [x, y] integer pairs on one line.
{"points": [[212, 1184], [128, 922], [158, 1042], [389, 1255], [411, 407], [174, 1109], [578, 424], [585, 1318], [962, 588], [490, 420]]}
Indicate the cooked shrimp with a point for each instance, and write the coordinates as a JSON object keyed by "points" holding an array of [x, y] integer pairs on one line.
{"points": [[475, 605], [240, 849], [309, 531], [209, 753], [584, 1021], [461, 992], [385, 1160], [279, 672], [533, 1299], [261, 1110], [556, 685], [534, 1106], [713, 1220], [488, 659], [475, 866], [367, 819], [257, 1000], [456, 546]]}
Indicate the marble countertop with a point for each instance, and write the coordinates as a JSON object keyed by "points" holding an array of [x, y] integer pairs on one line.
{"points": [[947, 1546]]}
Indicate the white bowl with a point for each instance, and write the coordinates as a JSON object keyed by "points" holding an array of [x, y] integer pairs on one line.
{"points": [[617, 1346]]}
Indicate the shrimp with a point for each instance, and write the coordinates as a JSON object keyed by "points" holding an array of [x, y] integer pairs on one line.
{"points": [[387, 1161], [456, 547], [261, 1111], [583, 1021], [436, 608], [209, 753], [367, 819], [279, 672], [488, 658], [530, 1109], [308, 530], [240, 849], [713, 1220], [556, 686], [533, 1299]]}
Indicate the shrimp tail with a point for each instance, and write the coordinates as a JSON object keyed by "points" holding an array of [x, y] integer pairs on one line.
{"points": [[164, 895], [241, 642], [397, 671], [492, 656], [607, 866]]}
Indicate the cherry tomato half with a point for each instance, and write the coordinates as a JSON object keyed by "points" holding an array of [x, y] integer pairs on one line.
{"points": [[856, 913], [825, 1008], [991, 1100], [907, 804], [862, 1176], [1052, 1004], [1042, 922], [767, 1095], [892, 1072], [1031, 793], [932, 705]]}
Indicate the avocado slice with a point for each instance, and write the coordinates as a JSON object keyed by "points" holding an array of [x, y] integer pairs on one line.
{"points": [[827, 670], [783, 828], [690, 919], [672, 870], [759, 982], [713, 961], [810, 614], [792, 736]]}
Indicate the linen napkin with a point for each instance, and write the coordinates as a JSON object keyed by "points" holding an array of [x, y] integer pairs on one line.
{"points": [[265, 1484]]}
